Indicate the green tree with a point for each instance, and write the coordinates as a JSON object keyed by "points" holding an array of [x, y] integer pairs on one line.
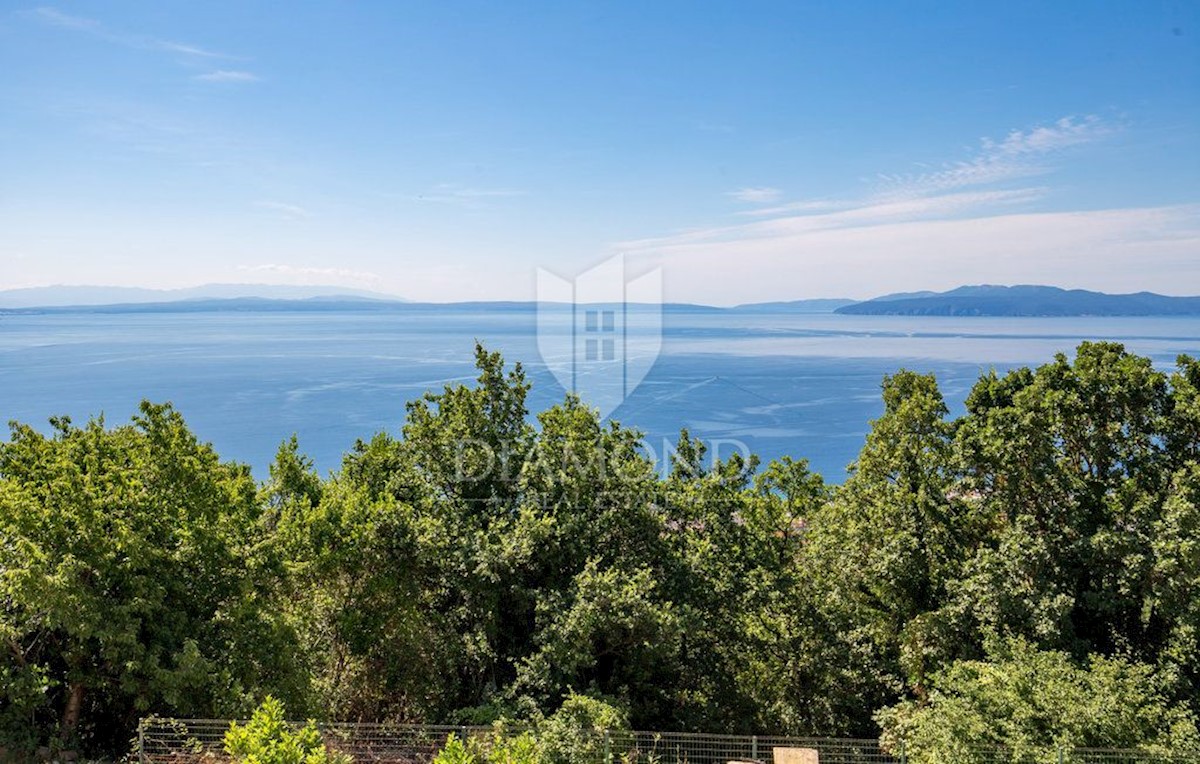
{"points": [[1068, 465], [469, 443], [886, 550], [484, 566], [1173, 594], [354, 592], [610, 634], [1032, 702], [798, 674], [128, 566], [1183, 429]]}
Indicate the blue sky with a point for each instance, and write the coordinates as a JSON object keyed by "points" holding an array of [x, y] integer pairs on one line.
{"points": [[754, 151]]}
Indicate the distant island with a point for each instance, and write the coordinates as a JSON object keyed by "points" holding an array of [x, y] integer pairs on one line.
{"points": [[983, 300], [267, 298], [72, 296], [1026, 300], [827, 305]]}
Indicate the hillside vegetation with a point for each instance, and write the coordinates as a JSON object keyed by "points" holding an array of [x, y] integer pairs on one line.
{"points": [[1026, 574]]}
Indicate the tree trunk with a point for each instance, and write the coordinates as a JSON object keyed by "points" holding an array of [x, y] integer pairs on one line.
{"points": [[70, 717]]}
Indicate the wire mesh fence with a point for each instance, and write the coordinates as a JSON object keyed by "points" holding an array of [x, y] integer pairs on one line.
{"points": [[201, 741]]}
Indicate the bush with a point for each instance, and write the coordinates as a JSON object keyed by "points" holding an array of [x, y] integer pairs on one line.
{"points": [[519, 749], [575, 732], [269, 739], [457, 751], [503, 749], [1034, 702]]}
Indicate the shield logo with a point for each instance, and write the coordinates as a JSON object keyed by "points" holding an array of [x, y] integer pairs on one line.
{"points": [[600, 333]]}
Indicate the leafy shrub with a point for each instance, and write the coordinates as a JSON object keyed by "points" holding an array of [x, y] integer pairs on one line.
{"points": [[457, 751], [518, 749], [504, 748], [575, 732], [268, 739], [1034, 702]]}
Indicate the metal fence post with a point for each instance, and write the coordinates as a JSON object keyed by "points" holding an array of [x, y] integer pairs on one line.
{"points": [[903, 754], [141, 744], [1061, 758], [607, 747], [754, 747]]}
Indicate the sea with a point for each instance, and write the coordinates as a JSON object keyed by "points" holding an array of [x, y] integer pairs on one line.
{"points": [[768, 383]]}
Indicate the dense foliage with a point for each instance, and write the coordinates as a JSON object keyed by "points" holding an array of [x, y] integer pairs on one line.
{"points": [[574, 733], [268, 738], [1025, 574]]}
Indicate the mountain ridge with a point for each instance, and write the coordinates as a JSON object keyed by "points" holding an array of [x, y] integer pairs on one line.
{"points": [[1025, 300], [967, 300], [85, 295]]}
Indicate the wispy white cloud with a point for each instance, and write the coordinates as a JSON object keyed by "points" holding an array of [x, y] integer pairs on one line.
{"points": [[135, 126], [756, 194], [825, 218], [191, 50], [1068, 131], [455, 193], [981, 171], [957, 188], [966, 221], [308, 273], [808, 205], [227, 75], [1141, 248], [66, 20], [1020, 154], [144, 125], [287, 210], [55, 17]]}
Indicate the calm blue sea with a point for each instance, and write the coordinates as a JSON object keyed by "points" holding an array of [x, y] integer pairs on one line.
{"points": [[803, 385]]}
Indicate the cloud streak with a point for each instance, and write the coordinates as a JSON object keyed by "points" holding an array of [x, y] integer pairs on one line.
{"points": [[1066, 132], [1141, 248], [964, 222], [957, 189], [457, 194], [876, 212], [756, 195], [94, 28], [1020, 154], [291, 211], [227, 75]]}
